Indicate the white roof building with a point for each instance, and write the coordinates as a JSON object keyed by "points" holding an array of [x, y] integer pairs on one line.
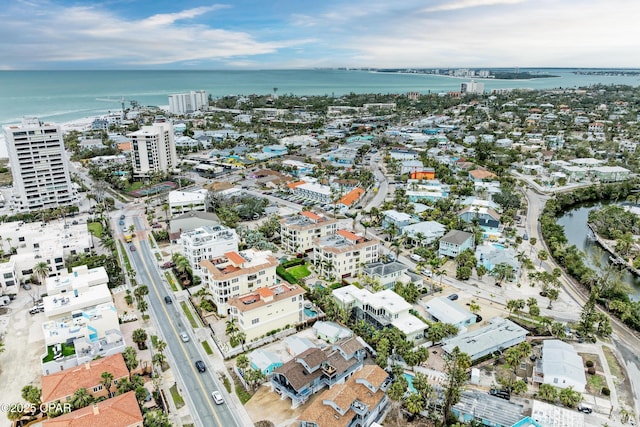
{"points": [[208, 242], [498, 335], [80, 277], [181, 201], [560, 366], [442, 309]]}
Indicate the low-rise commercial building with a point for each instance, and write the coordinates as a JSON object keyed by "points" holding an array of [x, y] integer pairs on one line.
{"points": [[181, 201], [560, 366]]}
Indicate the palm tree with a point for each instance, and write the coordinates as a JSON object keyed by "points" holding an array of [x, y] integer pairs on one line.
{"points": [[139, 336], [81, 398], [232, 327], [242, 362], [108, 243], [140, 292], [502, 272], [543, 256], [41, 271], [107, 380]]}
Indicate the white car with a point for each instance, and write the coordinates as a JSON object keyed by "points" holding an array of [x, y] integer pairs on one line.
{"points": [[217, 397], [184, 337]]}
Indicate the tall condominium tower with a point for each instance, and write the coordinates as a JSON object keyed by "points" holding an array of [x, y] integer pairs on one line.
{"points": [[184, 103], [39, 166], [153, 149]]}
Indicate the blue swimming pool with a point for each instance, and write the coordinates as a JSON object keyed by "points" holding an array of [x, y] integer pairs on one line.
{"points": [[310, 313], [499, 246], [409, 378]]}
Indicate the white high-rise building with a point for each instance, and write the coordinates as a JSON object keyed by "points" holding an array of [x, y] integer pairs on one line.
{"points": [[472, 87], [39, 167], [185, 103], [153, 149]]}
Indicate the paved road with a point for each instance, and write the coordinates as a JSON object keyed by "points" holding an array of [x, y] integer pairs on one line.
{"points": [[196, 387]]}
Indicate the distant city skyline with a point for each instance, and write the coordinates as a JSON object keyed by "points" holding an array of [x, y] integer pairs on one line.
{"points": [[293, 34]]}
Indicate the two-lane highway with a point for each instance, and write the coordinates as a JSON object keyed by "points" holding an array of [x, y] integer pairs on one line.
{"points": [[197, 387]]}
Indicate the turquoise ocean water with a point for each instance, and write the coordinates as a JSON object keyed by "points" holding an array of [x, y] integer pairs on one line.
{"points": [[60, 96]]}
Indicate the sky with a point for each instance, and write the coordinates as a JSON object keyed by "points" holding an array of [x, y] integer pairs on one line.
{"points": [[301, 34]]}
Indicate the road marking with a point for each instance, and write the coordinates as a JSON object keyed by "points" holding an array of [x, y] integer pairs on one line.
{"points": [[182, 346]]}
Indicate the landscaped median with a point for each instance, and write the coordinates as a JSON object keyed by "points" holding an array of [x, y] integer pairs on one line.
{"points": [[189, 314]]}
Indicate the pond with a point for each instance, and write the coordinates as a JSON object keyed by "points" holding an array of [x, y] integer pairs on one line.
{"points": [[574, 222]]}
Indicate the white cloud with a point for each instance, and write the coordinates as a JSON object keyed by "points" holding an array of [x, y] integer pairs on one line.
{"points": [[466, 4]]}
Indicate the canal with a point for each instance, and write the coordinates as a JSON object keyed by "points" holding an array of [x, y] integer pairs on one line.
{"points": [[574, 222]]}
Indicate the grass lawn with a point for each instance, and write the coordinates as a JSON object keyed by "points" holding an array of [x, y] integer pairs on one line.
{"points": [[595, 383], [299, 271], [614, 367], [127, 263], [136, 185], [67, 350], [172, 282], [189, 315], [207, 347], [177, 399], [95, 228]]}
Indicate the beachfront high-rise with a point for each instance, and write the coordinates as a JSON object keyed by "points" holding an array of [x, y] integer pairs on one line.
{"points": [[153, 150], [40, 169], [185, 103]]}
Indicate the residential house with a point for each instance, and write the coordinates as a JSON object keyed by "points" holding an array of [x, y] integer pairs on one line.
{"points": [[399, 220], [119, 411], [349, 200], [265, 361], [575, 173], [546, 414], [267, 308], [492, 254], [425, 232], [60, 386], [560, 365], [388, 273], [235, 274], [382, 309], [498, 335], [587, 162], [432, 190], [313, 191], [315, 369], [360, 401], [479, 406], [403, 154], [331, 331], [443, 310], [295, 344], [487, 218], [298, 232], [454, 242], [343, 254], [208, 242], [481, 175]]}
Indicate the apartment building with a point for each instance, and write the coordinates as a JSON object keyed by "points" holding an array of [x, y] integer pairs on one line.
{"points": [[298, 232], [208, 242], [382, 310], [360, 401], [343, 254], [9, 282], [39, 167], [185, 103], [315, 369], [267, 309], [61, 385], [153, 149], [238, 273], [35, 242]]}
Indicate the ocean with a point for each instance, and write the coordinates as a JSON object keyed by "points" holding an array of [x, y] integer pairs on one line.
{"points": [[61, 96]]}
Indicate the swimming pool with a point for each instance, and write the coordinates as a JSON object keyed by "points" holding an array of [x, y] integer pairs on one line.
{"points": [[409, 378], [310, 313], [498, 246]]}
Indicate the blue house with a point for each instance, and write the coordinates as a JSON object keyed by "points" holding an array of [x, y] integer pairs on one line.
{"points": [[265, 361], [454, 242]]}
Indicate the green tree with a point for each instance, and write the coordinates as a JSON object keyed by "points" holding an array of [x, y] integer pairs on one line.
{"points": [[455, 368], [106, 379], [396, 393], [414, 403], [242, 362], [548, 393], [130, 358], [14, 413], [139, 336], [41, 271], [156, 418], [81, 398], [32, 394], [569, 397], [502, 272]]}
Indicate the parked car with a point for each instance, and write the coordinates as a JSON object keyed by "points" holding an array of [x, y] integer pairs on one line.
{"points": [[585, 408], [168, 264], [132, 248], [200, 366], [122, 216], [217, 397], [453, 297], [502, 394]]}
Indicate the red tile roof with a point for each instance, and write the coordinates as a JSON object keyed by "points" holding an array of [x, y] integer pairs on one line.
{"points": [[119, 411], [293, 185], [349, 235], [311, 215], [264, 292], [61, 384], [351, 196], [235, 257], [482, 174]]}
